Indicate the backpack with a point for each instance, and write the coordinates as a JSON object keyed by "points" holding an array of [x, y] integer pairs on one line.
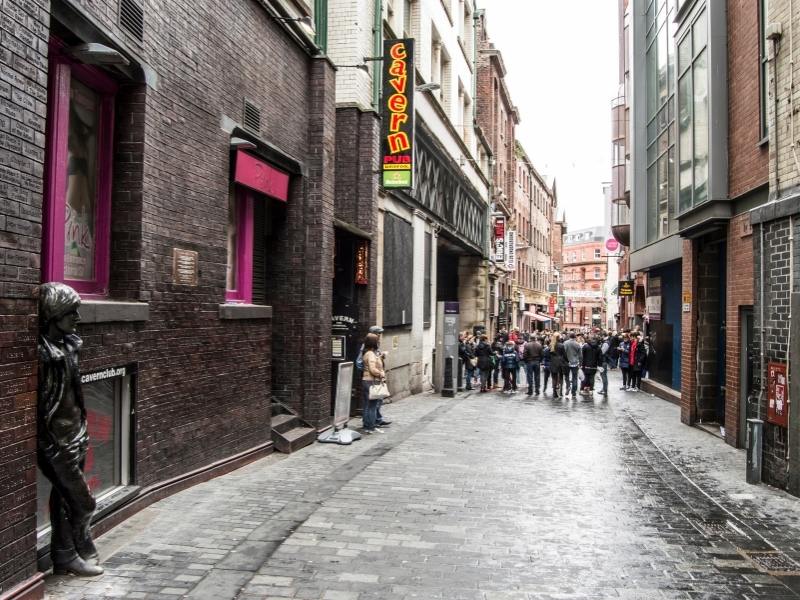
{"points": [[360, 360]]}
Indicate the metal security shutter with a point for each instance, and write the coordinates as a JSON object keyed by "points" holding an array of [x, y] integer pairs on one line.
{"points": [[259, 250], [398, 269]]}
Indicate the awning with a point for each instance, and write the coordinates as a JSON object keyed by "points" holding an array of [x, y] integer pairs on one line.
{"points": [[536, 316]]}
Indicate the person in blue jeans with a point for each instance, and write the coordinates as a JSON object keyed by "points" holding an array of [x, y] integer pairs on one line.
{"points": [[373, 373], [574, 356], [510, 362]]}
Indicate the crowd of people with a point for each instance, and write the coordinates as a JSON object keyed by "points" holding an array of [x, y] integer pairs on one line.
{"points": [[571, 362]]}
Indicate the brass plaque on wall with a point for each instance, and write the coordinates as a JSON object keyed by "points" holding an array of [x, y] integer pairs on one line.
{"points": [[184, 267]]}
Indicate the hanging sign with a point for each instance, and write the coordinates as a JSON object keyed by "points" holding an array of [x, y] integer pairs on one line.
{"points": [[511, 250], [551, 306], [625, 289], [362, 262], [397, 127], [777, 400], [499, 239]]}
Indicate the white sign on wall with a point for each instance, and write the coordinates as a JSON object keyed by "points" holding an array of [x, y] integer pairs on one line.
{"points": [[511, 249]]}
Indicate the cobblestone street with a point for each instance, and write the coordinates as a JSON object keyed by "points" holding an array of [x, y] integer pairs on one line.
{"points": [[484, 497]]}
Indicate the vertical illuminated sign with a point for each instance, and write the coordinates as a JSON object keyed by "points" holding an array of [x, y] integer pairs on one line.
{"points": [[500, 239], [397, 128]]}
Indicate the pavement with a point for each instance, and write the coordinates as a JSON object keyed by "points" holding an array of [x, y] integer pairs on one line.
{"points": [[481, 497]]}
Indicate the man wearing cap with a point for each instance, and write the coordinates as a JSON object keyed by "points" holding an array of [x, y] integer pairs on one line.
{"points": [[62, 433], [380, 421]]}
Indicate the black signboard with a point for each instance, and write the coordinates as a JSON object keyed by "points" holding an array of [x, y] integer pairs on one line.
{"points": [[625, 289], [397, 128]]}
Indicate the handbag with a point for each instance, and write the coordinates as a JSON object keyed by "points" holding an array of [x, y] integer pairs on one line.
{"points": [[378, 391], [473, 362], [581, 375]]}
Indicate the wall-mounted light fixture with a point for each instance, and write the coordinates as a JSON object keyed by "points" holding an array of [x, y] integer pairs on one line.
{"points": [[306, 22], [97, 54], [428, 87], [361, 66]]}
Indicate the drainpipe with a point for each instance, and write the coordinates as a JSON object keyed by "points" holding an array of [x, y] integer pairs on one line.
{"points": [[377, 71]]}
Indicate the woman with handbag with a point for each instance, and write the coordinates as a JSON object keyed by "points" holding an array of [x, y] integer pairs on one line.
{"points": [[373, 384]]}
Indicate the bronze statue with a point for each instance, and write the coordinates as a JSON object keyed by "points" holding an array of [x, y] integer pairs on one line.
{"points": [[62, 435]]}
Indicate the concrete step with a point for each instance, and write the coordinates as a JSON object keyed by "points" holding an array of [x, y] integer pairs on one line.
{"points": [[283, 423], [294, 439]]}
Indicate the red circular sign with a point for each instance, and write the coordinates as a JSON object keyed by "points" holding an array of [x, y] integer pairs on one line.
{"points": [[612, 245]]}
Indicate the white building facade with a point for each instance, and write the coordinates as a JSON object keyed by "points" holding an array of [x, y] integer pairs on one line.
{"points": [[428, 244]]}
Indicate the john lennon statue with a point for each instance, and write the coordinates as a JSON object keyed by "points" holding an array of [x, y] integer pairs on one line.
{"points": [[62, 434]]}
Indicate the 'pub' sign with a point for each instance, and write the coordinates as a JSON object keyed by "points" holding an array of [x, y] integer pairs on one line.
{"points": [[397, 129]]}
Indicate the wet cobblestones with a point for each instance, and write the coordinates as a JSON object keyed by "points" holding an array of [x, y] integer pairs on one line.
{"points": [[485, 497]]}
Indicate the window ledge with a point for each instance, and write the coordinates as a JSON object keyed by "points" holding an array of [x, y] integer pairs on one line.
{"points": [[244, 311], [110, 311]]}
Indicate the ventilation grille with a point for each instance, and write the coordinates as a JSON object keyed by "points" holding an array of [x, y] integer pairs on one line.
{"points": [[131, 18], [252, 117]]}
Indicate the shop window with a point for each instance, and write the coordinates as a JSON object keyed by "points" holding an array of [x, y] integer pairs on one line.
{"points": [[239, 274], [253, 201], [79, 156], [398, 270], [108, 400]]}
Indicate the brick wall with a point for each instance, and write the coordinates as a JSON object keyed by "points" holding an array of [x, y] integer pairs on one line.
{"points": [[748, 162], [357, 159], [709, 321], [689, 339], [23, 109], [740, 295], [203, 388], [777, 306]]}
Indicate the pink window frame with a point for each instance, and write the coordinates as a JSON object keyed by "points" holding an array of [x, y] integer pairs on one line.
{"points": [[62, 69], [244, 249]]}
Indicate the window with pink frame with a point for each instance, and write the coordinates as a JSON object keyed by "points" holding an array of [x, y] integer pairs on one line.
{"points": [[77, 195], [253, 181]]}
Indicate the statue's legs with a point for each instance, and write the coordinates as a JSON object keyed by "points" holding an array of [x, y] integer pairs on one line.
{"points": [[71, 509]]}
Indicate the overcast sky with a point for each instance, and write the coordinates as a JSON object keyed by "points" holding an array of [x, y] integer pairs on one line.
{"points": [[561, 58]]}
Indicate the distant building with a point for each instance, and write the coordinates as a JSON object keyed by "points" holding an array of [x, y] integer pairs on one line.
{"points": [[583, 278]]}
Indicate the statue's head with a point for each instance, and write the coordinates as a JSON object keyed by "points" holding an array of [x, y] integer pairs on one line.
{"points": [[58, 308]]}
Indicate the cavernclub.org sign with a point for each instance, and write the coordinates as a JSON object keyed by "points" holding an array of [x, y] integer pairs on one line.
{"points": [[397, 129]]}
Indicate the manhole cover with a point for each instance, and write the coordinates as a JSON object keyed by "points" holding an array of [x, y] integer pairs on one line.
{"points": [[721, 527], [773, 562]]}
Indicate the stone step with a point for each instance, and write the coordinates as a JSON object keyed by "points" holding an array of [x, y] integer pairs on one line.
{"points": [[283, 423], [294, 439]]}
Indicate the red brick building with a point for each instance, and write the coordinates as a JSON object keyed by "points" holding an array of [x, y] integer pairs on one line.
{"points": [[183, 183], [583, 278], [497, 117]]}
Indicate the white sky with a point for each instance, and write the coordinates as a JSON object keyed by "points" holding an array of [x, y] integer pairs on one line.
{"points": [[562, 61]]}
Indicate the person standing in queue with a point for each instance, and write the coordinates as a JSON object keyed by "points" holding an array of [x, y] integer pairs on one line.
{"points": [[574, 356], [483, 352], [373, 373], [532, 358], [510, 361]]}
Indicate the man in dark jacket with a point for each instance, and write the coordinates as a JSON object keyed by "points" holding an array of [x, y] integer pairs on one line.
{"points": [[590, 360], [532, 357], [510, 362]]}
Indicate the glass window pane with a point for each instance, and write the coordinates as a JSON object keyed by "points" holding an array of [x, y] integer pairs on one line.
{"points": [[233, 243], [685, 151], [652, 199], [81, 187], [685, 53], [700, 80], [700, 32], [651, 81], [663, 196], [673, 193], [663, 84]]}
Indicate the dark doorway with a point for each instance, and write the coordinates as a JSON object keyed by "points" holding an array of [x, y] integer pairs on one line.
{"points": [[346, 321], [446, 276], [747, 385]]}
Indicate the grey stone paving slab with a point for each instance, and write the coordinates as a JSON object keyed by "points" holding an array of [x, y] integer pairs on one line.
{"points": [[485, 496]]}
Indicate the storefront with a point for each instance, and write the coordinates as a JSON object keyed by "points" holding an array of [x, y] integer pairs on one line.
{"points": [[663, 306]]}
